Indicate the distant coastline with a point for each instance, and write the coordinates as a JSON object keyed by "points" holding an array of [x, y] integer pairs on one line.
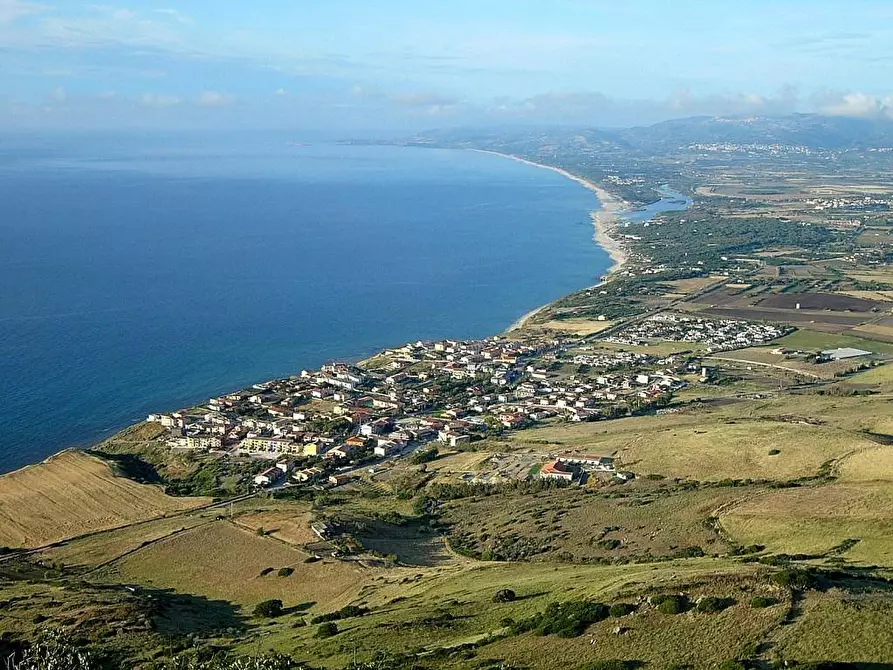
{"points": [[604, 220]]}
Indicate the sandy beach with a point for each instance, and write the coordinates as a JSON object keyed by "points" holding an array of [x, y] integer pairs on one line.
{"points": [[604, 220]]}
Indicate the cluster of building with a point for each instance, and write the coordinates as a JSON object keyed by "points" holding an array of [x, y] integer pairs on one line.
{"points": [[856, 204], [448, 392], [717, 334], [751, 148], [573, 467]]}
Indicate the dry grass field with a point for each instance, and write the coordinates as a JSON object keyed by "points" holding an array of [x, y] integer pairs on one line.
{"points": [[74, 493], [572, 326], [289, 524], [100, 548], [222, 561]]}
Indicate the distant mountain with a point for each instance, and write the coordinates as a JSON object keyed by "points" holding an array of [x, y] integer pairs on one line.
{"points": [[812, 130]]}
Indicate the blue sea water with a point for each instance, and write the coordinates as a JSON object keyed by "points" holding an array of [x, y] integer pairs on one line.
{"points": [[141, 275]]}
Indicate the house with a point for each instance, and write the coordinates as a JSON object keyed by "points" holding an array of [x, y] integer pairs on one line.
{"points": [[313, 449], [344, 451], [844, 353], [591, 460], [268, 476], [203, 442], [386, 449], [356, 441], [557, 470], [339, 479], [308, 474], [271, 445]]}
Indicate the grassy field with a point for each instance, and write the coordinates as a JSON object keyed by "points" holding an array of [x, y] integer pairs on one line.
{"points": [[73, 493], [639, 521], [816, 520], [222, 561], [845, 627], [707, 445]]}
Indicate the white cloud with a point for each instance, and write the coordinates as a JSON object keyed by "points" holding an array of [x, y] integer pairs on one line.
{"points": [[159, 101], [860, 105], [59, 95], [280, 91], [214, 99]]}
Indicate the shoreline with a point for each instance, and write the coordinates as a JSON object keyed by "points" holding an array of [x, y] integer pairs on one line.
{"points": [[605, 221]]}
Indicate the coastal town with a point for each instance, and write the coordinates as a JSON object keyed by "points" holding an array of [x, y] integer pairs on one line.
{"points": [[449, 393], [323, 427]]}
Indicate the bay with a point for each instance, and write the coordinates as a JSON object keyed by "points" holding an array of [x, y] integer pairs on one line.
{"points": [[143, 274]]}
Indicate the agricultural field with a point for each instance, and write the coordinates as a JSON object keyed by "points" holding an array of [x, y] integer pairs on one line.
{"points": [[74, 493], [581, 327], [819, 301], [811, 340]]}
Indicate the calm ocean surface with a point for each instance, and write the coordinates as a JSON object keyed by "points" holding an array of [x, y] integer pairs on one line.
{"points": [[141, 276]]}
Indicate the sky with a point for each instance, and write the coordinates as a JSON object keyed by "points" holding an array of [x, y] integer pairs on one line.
{"points": [[392, 65]]}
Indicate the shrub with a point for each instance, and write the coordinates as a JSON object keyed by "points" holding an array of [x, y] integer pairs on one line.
{"points": [[774, 452], [612, 664], [269, 608], [621, 609], [759, 602], [732, 665], [608, 544], [327, 629], [568, 619], [346, 612], [504, 596], [670, 604], [711, 604], [424, 455], [265, 572], [285, 572], [795, 578]]}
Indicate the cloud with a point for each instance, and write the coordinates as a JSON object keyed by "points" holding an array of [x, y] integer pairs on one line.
{"points": [[422, 99], [158, 101], [102, 25], [12, 10], [177, 16], [214, 99], [860, 105], [59, 95]]}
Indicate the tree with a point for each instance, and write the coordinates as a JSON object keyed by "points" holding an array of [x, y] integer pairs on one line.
{"points": [[269, 608]]}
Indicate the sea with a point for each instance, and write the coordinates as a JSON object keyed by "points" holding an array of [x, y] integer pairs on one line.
{"points": [[144, 273]]}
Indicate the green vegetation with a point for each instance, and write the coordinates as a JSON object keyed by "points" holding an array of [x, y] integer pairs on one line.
{"points": [[269, 608]]}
